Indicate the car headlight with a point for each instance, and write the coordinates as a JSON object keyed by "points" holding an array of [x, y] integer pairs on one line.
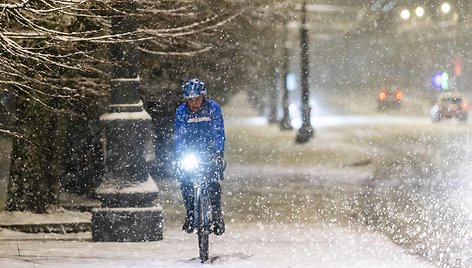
{"points": [[189, 162]]}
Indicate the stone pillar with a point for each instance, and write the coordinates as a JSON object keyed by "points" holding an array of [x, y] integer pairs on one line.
{"points": [[127, 191]]}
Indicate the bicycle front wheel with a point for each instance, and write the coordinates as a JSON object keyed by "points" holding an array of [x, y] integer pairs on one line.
{"points": [[203, 223]]}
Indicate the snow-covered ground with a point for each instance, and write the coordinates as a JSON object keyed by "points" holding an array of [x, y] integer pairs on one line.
{"points": [[287, 245], [254, 238]]}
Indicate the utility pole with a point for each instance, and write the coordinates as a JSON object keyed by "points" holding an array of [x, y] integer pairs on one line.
{"points": [[306, 132], [127, 191]]}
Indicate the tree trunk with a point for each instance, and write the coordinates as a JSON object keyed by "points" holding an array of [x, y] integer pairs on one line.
{"points": [[83, 154], [33, 184]]}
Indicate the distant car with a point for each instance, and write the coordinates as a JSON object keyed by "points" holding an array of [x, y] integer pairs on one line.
{"points": [[389, 98], [450, 105]]}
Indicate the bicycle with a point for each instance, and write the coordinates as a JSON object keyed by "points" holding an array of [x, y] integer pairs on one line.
{"points": [[200, 169]]}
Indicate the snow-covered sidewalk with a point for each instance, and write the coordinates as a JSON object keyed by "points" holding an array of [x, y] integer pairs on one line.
{"points": [[244, 245]]}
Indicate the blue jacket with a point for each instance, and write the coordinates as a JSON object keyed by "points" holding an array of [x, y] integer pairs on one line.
{"points": [[200, 130]]}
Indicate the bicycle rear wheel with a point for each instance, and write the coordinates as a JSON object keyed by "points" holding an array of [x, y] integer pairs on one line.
{"points": [[203, 223]]}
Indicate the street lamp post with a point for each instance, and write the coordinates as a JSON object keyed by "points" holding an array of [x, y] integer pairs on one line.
{"points": [[285, 123], [306, 132], [273, 96], [127, 190]]}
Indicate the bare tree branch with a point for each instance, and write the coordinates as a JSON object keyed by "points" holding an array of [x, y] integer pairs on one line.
{"points": [[163, 53]]}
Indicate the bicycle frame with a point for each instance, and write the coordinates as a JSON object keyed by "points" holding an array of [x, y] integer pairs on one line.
{"points": [[202, 212], [199, 173]]}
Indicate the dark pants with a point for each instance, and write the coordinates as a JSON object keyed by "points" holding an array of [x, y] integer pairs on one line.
{"points": [[214, 189]]}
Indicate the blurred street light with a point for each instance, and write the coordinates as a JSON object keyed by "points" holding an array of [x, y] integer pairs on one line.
{"points": [[419, 11], [445, 8], [405, 14]]}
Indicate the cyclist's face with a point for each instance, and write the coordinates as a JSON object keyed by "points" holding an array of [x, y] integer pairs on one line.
{"points": [[195, 103]]}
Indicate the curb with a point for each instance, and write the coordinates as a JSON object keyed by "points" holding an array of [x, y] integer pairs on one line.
{"points": [[60, 228]]}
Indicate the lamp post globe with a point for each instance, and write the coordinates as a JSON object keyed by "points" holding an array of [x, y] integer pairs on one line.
{"points": [[445, 8], [419, 12], [405, 14]]}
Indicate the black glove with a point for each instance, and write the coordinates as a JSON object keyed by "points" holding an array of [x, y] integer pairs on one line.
{"points": [[220, 161], [219, 154]]}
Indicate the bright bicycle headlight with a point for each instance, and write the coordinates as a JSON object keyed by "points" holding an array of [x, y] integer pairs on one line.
{"points": [[189, 162]]}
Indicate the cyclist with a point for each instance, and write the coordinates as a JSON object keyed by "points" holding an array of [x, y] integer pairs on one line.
{"points": [[199, 126]]}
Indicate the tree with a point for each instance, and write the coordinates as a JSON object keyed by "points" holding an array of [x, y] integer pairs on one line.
{"points": [[54, 62], [46, 63], [53, 55]]}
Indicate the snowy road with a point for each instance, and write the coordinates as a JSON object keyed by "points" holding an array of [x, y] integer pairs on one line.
{"points": [[242, 246], [264, 229], [325, 121]]}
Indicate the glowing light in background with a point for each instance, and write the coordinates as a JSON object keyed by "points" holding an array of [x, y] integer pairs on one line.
{"points": [[445, 81], [292, 83], [405, 14], [445, 8], [419, 11], [436, 80], [440, 81]]}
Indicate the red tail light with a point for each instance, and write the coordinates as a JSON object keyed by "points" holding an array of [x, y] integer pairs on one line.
{"points": [[383, 95], [398, 94], [465, 105]]}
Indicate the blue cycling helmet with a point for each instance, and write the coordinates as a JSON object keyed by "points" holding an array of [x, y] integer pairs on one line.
{"points": [[193, 88]]}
